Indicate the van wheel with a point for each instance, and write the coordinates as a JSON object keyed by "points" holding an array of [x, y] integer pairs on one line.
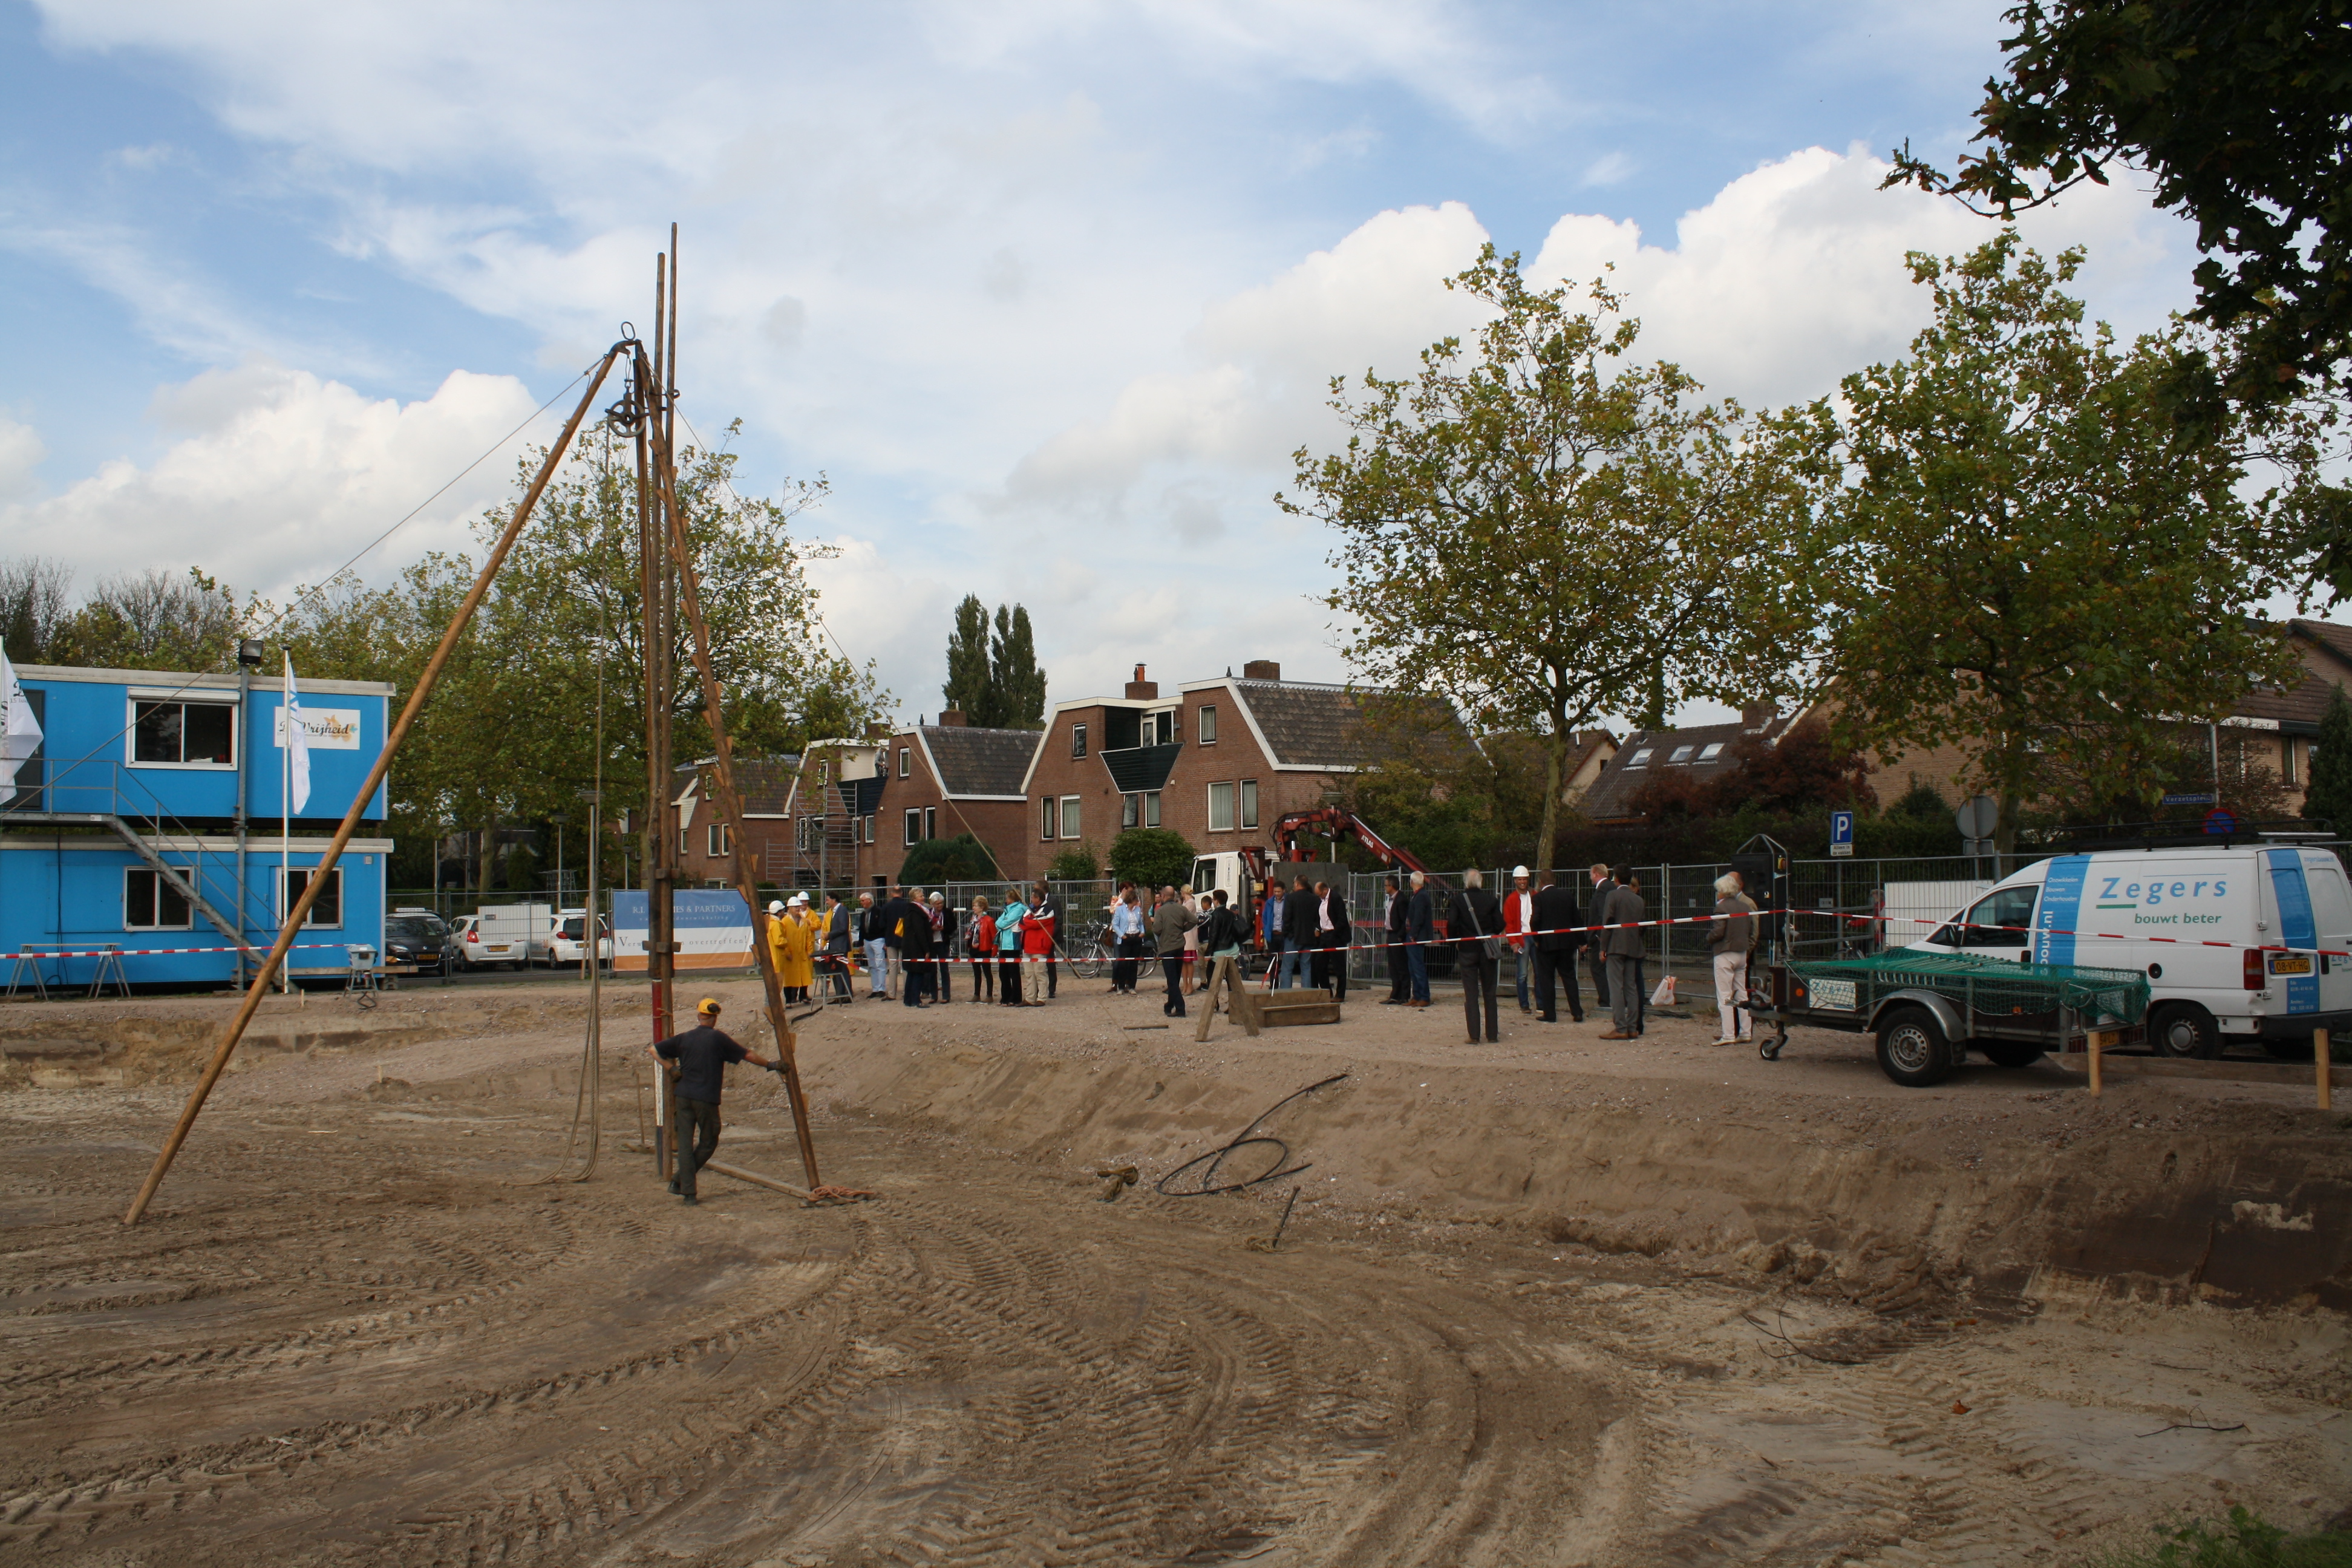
{"points": [[1911, 1049], [2010, 1053], [2184, 1029]]}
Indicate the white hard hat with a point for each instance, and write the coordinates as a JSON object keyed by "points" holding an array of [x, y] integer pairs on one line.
{"points": [[776, 908], [799, 899], [1518, 870]]}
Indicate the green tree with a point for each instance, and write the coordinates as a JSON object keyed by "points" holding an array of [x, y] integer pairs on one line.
{"points": [[2237, 110], [2328, 796], [962, 859], [970, 687], [1017, 684], [1152, 857], [1077, 863], [1544, 535], [2027, 564], [33, 606]]}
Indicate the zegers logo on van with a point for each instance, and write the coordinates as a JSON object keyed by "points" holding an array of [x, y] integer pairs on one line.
{"points": [[2146, 900]]}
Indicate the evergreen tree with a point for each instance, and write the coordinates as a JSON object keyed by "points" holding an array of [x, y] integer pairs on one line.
{"points": [[1013, 674], [2330, 796], [970, 687]]}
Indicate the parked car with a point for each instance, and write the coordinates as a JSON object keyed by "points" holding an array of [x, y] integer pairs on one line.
{"points": [[481, 949], [568, 944], [416, 940]]}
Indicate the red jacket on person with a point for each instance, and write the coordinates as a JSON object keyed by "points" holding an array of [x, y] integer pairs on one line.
{"points": [[1518, 918], [1036, 935]]}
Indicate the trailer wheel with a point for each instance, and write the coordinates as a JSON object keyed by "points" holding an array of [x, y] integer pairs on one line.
{"points": [[2010, 1053], [1911, 1049], [2184, 1029]]}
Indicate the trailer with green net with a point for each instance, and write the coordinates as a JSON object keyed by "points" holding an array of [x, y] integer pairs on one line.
{"points": [[1929, 1010]]}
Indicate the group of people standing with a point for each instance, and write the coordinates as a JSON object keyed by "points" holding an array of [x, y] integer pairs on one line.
{"points": [[911, 942]]}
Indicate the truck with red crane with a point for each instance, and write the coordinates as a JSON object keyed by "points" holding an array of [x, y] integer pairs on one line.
{"points": [[1241, 872]]}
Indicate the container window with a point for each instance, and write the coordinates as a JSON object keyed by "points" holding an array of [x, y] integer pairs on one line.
{"points": [[152, 903], [328, 911], [184, 734]]}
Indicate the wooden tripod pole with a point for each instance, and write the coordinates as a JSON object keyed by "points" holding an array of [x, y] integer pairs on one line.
{"points": [[730, 804], [302, 908]]}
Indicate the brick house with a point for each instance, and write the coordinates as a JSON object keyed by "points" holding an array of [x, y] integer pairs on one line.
{"points": [[706, 845], [941, 779], [832, 804], [1702, 752], [1219, 762]]}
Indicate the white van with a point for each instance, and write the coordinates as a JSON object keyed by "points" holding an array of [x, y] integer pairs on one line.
{"points": [[2230, 937]]}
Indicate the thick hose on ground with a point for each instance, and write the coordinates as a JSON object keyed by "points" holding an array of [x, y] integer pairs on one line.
{"points": [[1208, 1185]]}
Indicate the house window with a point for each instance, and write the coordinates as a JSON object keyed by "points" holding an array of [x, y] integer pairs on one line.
{"points": [[328, 911], [1220, 804], [1130, 811], [1069, 817], [824, 773], [902, 761], [681, 841], [869, 827], [1206, 731], [1049, 818], [717, 841], [151, 903], [1159, 729], [914, 826], [930, 822], [1151, 809], [1711, 750], [1681, 754], [184, 734], [1640, 759], [1249, 802], [1077, 740], [2286, 759]]}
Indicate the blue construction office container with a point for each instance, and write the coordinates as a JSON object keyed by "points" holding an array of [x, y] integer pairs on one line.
{"points": [[122, 829]]}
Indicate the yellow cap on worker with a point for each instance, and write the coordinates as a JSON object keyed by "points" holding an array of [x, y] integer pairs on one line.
{"points": [[708, 1004]]}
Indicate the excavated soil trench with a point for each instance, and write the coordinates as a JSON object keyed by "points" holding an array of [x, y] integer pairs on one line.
{"points": [[1551, 1300]]}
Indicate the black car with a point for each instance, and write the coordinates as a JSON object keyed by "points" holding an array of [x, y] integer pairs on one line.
{"points": [[418, 941]]}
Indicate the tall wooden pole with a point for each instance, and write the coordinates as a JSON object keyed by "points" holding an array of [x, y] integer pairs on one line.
{"points": [[660, 878], [301, 907]]}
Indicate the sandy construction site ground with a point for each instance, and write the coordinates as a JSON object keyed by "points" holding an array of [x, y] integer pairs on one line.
{"points": [[1546, 1301]]}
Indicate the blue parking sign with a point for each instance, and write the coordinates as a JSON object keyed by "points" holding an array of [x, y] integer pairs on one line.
{"points": [[1841, 833]]}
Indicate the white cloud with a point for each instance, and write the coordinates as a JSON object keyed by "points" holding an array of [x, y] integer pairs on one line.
{"points": [[273, 476], [1794, 274], [21, 452]]}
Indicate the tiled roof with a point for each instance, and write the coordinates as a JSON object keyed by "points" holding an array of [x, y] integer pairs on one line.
{"points": [[764, 782], [1314, 726], [1134, 769], [980, 761], [1646, 753], [2326, 667]]}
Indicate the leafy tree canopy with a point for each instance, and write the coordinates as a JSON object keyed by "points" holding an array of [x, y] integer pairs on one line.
{"points": [[2238, 109], [2328, 796], [962, 859], [1077, 863], [1152, 857]]}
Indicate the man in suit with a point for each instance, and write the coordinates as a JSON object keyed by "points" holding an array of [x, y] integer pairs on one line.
{"points": [[1420, 931], [1603, 884], [1623, 943], [1393, 947], [1299, 928], [913, 927], [1332, 932], [1561, 925]]}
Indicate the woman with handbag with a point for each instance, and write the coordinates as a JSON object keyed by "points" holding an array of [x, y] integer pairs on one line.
{"points": [[1478, 952]]}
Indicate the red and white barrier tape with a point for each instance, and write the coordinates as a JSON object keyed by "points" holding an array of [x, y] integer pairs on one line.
{"points": [[162, 952]]}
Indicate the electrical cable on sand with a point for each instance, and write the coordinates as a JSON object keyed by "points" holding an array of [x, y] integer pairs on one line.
{"points": [[1244, 1139]]}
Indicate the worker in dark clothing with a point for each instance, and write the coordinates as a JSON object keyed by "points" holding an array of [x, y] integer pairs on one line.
{"points": [[1560, 931], [1478, 926], [1420, 932], [701, 1054], [1298, 934]]}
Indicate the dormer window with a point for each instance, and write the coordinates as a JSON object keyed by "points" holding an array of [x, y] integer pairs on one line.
{"points": [[1640, 759], [1682, 754], [1712, 749]]}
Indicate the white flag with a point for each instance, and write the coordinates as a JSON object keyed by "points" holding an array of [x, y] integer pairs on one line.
{"points": [[298, 743], [20, 733]]}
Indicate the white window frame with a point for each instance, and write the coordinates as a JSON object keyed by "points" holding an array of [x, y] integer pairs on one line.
{"points": [[131, 729], [1248, 798], [1711, 750], [823, 775], [1151, 809], [911, 824], [157, 891], [1130, 812], [1070, 816], [1204, 727], [930, 822], [869, 826], [1641, 758], [1077, 742], [1049, 817], [905, 754], [716, 842], [310, 921], [1220, 795], [1682, 754]]}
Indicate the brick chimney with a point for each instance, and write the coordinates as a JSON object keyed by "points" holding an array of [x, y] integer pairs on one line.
{"points": [[1139, 690], [953, 719], [1261, 670], [1757, 715]]}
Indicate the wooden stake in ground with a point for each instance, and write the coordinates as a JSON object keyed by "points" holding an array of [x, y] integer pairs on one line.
{"points": [[2319, 1054], [301, 906]]}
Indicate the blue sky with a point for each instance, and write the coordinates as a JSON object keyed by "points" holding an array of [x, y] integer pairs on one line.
{"points": [[1047, 288]]}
